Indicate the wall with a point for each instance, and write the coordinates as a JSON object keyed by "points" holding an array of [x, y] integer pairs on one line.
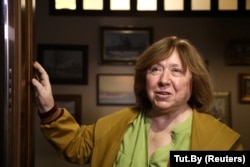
{"points": [[209, 35]]}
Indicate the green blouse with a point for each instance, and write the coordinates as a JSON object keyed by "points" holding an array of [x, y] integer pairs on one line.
{"points": [[134, 147]]}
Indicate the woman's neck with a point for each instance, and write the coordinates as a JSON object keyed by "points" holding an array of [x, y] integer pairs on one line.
{"points": [[168, 120]]}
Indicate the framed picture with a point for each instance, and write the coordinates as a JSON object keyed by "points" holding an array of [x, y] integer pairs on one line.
{"points": [[72, 103], [115, 89], [123, 45], [244, 88], [221, 108], [65, 64], [238, 52]]}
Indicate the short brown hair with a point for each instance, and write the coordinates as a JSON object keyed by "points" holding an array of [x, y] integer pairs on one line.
{"points": [[202, 88]]}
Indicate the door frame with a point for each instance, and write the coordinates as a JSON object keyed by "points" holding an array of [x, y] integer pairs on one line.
{"points": [[17, 113]]}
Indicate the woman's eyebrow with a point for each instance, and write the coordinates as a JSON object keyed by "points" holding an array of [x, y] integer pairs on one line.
{"points": [[176, 65]]}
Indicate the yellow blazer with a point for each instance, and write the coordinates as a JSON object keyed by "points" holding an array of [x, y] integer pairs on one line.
{"points": [[98, 144]]}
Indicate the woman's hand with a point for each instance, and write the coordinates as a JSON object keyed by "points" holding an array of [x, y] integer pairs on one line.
{"points": [[44, 97]]}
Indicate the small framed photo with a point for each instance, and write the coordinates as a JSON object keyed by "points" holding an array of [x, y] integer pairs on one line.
{"points": [[72, 103], [123, 45], [115, 89], [221, 108], [65, 64], [244, 88], [238, 52]]}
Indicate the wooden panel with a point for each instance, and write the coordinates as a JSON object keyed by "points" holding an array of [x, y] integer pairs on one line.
{"points": [[2, 85], [17, 114], [24, 103]]}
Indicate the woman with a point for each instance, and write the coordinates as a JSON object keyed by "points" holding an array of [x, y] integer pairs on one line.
{"points": [[173, 90]]}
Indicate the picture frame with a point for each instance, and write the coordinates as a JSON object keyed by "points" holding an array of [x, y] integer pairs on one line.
{"points": [[123, 45], [244, 88], [238, 52], [73, 103], [221, 108], [115, 89], [65, 64]]}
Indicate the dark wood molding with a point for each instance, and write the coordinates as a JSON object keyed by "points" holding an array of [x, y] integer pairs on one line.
{"points": [[17, 118], [24, 97], [2, 86]]}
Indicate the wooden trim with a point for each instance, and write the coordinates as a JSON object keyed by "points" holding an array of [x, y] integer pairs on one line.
{"points": [[26, 61], [2, 87], [23, 141]]}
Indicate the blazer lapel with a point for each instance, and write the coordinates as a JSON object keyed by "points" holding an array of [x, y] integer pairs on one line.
{"points": [[209, 133], [108, 140]]}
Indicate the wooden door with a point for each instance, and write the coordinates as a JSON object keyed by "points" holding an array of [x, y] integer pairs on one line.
{"points": [[17, 52]]}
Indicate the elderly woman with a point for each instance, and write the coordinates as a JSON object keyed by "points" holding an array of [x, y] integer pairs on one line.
{"points": [[173, 90]]}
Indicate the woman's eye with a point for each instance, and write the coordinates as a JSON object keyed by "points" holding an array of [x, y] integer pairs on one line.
{"points": [[156, 70], [177, 71]]}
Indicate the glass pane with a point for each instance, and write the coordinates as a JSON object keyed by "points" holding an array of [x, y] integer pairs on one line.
{"points": [[148, 5], [120, 5], [201, 5], [228, 4], [62, 4], [92, 4], [247, 4], [173, 5]]}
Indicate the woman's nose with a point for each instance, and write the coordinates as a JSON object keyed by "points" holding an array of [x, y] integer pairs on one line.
{"points": [[165, 78]]}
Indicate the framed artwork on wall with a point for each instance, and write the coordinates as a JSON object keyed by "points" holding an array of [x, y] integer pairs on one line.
{"points": [[221, 108], [115, 89], [238, 52], [123, 45], [65, 64], [244, 88], [73, 103]]}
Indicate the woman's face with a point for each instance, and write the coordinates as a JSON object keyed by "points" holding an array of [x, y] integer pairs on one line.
{"points": [[168, 84]]}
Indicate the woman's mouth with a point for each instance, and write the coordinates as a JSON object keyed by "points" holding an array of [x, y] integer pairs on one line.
{"points": [[162, 94]]}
